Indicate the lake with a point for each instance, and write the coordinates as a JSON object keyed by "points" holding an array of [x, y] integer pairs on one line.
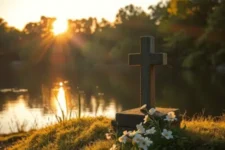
{"points": [[103, 90]]}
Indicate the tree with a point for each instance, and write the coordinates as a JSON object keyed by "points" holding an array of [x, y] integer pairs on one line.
{"points": [[9, 42], [214, 36], [182, 27]]}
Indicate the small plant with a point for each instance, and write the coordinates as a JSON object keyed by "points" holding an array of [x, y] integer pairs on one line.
{"points": [[64, 114], [16, 126], [153, 133], [34, 124]]}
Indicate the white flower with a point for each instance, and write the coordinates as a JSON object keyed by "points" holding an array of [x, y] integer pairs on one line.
{"points": [[144, 106], [123, 139], [113, 147], [140, 128], [150, 131], [146, 119], [129, 133], [125, 132], [132, 133], [167, 134], [170, 117], [152, 111], [145, 143], [108, 136], [137, 138]]}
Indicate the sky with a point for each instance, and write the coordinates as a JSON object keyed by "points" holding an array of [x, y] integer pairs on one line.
{"points": [[17, 13]]}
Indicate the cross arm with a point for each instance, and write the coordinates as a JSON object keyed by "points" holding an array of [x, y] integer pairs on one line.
{"points": [[137, 59], [158, 59]]}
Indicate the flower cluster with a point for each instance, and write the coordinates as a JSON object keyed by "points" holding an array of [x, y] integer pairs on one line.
{"points": [[136, 137], [148, 131]]}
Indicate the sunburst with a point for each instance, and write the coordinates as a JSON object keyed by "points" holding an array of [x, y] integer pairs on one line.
{"points": [[60, 26]]}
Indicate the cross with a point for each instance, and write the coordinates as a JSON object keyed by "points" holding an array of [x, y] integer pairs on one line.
{"points": [[147, 60]]}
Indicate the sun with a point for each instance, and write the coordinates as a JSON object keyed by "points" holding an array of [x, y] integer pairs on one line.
{"points": [[60, 26]]}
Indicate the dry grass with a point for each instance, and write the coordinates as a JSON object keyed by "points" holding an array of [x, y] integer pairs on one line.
{"points": [[8, 139], [206, 130], [100, 145], [72, 134], [89, 134]]}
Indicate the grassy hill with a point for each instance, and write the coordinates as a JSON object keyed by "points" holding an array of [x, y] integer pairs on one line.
{"points": [[89, 134]]}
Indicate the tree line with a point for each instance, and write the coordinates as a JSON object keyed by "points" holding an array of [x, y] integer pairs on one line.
{"points": [[192, 32]]}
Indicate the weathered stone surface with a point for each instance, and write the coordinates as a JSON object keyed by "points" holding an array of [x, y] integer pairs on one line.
{"points": [[130, 118]]}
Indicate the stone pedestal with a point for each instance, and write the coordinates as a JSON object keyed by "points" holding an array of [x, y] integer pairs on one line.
{"points": [[130, 118]]}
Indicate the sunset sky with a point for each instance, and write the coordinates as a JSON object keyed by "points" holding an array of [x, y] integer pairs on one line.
{"points": [[19, 12]]}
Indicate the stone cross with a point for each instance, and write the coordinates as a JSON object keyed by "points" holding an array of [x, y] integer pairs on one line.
{"points": [[147, 60]]}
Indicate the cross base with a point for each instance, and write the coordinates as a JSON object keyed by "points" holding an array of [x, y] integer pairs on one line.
{"points": [[128, 119]]}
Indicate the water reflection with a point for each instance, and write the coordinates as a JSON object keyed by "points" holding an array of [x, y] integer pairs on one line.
{"points": [[60, 102], [107, 90], [67, 105], [56, 102], [99, 107], [17, 113]]}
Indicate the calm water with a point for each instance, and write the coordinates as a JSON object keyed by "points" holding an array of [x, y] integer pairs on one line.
{"points": [[105, 90]]}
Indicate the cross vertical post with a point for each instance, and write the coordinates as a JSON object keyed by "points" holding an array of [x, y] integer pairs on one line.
{"points": [[147, 76], [147, 60]]}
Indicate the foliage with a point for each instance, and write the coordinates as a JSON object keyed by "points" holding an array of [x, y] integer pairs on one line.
{"points": [[186, 30]]}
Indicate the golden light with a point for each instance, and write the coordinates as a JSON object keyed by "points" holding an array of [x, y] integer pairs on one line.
{"points": [[60, 84], [60, 26], [61, 106]]}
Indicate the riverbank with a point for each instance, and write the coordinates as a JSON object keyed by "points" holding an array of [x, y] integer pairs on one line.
{"points": [[89, 134], [72, 134]]}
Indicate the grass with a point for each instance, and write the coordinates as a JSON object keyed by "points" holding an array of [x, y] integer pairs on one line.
{"points": [[208, 131], [205, 133], [7, 140], [72, 134]]}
